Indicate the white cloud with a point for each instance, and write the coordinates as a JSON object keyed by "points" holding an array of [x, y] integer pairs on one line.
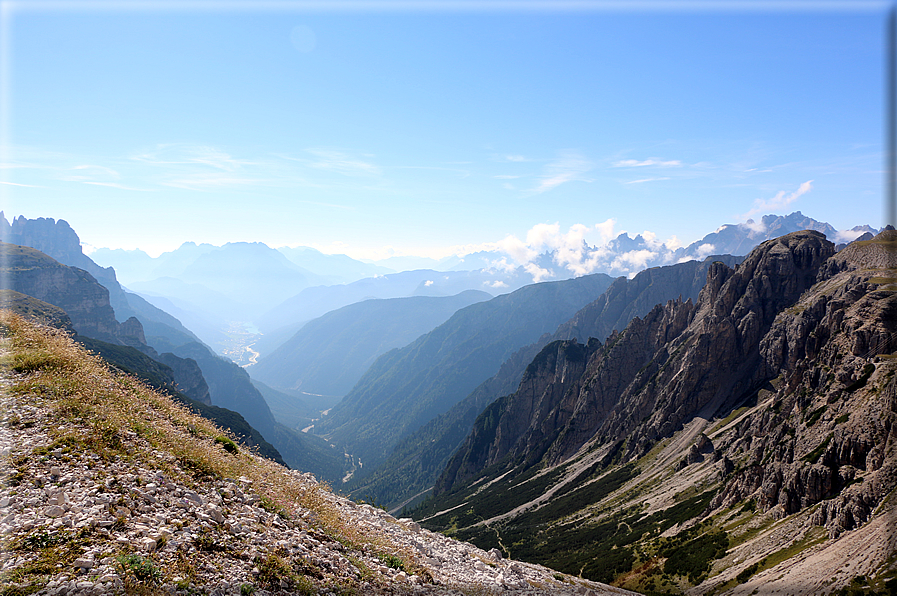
{"points": [[342, 163], [495, 284], [180, 154], [19, 184], [97, 176], [756, 227], [537, 272], [634, 163], [567, 168], [211, 180], [633, 259], [647, 180], [705, 250], [502, 265], [848, 235], [516, 249], [606, 229], [428, 283], [778, 202]]}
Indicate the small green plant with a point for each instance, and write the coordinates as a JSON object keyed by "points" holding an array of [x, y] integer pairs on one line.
{"points": [[273, 570], [393, 562], [228, 444], [141, 568], [41, 540], [247, 590]]}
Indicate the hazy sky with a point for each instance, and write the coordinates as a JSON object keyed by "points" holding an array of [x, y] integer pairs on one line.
{"points": [[357, 129]]}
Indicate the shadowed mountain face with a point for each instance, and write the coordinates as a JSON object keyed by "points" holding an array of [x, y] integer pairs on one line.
{"points": [[329, 354], [407, 387], [765, 410]]}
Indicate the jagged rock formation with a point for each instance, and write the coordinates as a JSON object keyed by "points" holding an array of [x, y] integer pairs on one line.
{"points": [[820, 439], [681, 360], [773, 397]]}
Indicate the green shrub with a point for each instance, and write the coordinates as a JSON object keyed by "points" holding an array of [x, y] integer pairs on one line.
{"points": [[141, 568], [228, 445], [393, 562], [694, 558]]}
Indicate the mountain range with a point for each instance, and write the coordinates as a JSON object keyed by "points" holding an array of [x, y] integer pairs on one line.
{"points": [[739, 443], [722, 425]]}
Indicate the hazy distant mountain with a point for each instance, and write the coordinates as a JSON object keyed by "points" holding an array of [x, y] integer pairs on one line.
{"points": [[314, 302], [336, 269], [250, 276], [250, 273], [136, 265], [329, 354], [407, 387]]}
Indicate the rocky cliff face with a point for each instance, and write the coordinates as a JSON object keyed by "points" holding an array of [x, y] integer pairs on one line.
{"points": [[74, 290], [821, 439], [189, 377], [680, 360]]}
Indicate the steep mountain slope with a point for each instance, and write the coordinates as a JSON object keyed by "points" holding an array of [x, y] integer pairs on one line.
{"points": [[231, 388], [180, 378], [707, 445], [329, 354], [407, 387], [418, 459], [110, 487]]}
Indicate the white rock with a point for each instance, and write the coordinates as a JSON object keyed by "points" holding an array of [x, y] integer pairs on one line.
{"points": [[84, 563], [54, 511]]}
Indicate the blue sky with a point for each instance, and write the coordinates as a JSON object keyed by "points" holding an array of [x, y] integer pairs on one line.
{"points": [[388, 129]]}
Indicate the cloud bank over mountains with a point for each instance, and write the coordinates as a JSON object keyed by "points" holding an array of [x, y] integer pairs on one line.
{"points": [[548, 252]]}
